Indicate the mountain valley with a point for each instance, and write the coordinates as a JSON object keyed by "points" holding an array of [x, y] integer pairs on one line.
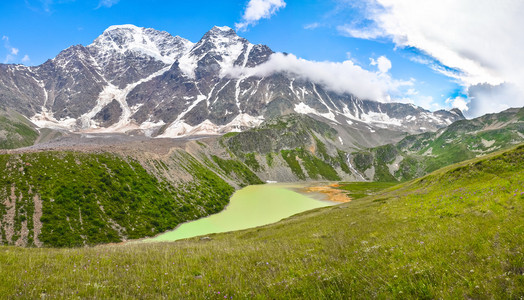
{"points": [[140, 131]]}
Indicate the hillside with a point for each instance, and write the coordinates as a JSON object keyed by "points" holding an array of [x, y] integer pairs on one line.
{"points": [[79, 190], [142, 81], [87, 194], [417, 155], [72, 199], [456, 233], [15, 130], [291, 148]]}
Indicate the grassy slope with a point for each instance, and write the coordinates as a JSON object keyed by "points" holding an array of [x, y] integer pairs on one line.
{"points": [[427, 152], [456, 233], [89, 198], [292, 137], [15, 131]]}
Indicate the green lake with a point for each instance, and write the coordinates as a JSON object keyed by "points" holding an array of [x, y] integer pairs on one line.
{"points": [[252, 206]]}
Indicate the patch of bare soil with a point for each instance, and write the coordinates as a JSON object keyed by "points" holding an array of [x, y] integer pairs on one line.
{"points": [[331, 191], [37, 224]]}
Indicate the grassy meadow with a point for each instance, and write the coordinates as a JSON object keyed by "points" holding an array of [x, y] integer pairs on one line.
{"points": [[456, 233]]}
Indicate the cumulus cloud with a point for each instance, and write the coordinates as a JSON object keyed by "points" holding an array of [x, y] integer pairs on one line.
{"points": [[486, 98], [259, 9], [26, 59], [383, 64], [107, 3], [339, 77], [479, 42], [412, 96], [458, 102]]}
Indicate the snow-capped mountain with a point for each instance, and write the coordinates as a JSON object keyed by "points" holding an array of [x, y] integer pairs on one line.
{"points": [[140, 80]]}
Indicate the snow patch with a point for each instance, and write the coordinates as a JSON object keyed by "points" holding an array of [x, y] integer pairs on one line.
{"points": [[374, 117], [148, 128], [110, 93], [180, 129], [305, 109]]}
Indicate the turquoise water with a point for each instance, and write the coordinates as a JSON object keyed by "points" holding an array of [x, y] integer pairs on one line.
{"points": [[249, 207]]}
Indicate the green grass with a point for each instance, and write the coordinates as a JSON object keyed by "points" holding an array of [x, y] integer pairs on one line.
{"points": [[357, 190], [456, 233], [314, 166], [251, 161], [15, 133], [236, 168], [269, 159], [89, 199], [430, 151], [291, 159]]}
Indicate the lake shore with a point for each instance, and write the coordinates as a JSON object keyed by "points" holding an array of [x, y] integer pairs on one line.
{"points": [[330, 191]]}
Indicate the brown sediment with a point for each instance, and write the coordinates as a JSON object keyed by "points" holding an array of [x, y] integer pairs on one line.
{"points": [[331, 191]]}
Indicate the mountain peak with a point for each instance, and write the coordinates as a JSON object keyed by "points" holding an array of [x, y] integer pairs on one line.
{"points": [[221, 31], [123, 26], [150, 42], [222, 28], [457, 112]]}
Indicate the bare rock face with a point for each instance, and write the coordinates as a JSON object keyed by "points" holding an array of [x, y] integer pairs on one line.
{"points": [[133, 79], [109, 115]]}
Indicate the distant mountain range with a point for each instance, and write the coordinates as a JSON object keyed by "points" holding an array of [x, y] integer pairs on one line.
{"points": [[143, 81]]}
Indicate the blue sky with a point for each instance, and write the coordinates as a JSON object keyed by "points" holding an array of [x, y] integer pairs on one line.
{"points": [[33, 31]]}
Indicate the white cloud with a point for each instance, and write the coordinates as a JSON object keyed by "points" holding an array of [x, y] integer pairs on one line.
{"points": [[413, 97], [482, 39], [10, 57], [458, 102], [259, 9], [107, 3], [486, 98], [339, 77], [383, 64], [312, 25], [26, 59], [368, 33]]}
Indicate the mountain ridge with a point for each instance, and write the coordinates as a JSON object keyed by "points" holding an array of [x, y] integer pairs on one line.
{"points": [[143, 81]]}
